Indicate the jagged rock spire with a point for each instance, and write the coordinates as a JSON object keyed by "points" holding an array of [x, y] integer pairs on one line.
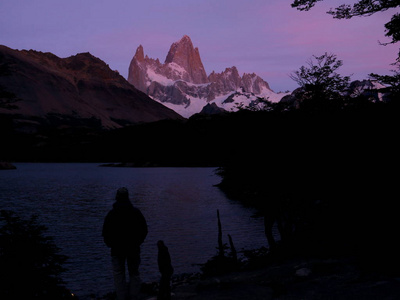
{"points": [[139, 55], [182, 80], [185, 55]]}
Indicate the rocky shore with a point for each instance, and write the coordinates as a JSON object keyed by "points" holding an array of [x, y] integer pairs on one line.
{"points": [[6, 166], [316, 278], [284, 278]]}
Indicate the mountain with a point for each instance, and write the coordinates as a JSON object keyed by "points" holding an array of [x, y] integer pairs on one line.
{"points": [[81, 87], [182, 84], [183, 54], [367, 89], [371, 89]]}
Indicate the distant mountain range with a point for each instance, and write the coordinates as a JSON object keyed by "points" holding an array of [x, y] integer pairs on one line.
{"points": [[182, 84], [65, 109], [82, 90], [81, 87]]}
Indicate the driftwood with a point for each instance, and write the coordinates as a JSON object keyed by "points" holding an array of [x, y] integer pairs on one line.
{"points": [[221, 249], [221, 263], [221, 246], [233, 249]]}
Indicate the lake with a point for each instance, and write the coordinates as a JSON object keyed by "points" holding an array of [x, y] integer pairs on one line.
{"points": [[179, 204]]}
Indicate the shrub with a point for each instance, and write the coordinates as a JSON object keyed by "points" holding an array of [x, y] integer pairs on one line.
{"points": [[30, 261]]}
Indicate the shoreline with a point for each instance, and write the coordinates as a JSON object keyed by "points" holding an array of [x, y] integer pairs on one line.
{"points": [[280, 277], [5, 165], [312, 278]]}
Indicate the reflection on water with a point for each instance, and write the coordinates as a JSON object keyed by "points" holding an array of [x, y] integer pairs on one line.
{"points": [[179, 204]]}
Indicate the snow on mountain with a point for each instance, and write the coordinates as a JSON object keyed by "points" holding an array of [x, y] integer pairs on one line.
{"points": [[370, 88], [181, 82], [229, 102]]}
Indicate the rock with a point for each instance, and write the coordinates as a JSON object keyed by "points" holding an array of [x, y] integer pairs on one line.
{"points": [[212, 109], [6, 166], [252, 83], [182, 79], [370, 89], [303, 272], [182, 63], [183, 54]]}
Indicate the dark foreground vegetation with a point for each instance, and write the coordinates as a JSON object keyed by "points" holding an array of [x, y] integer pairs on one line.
{"points": [[330, 185], [31, 263]]}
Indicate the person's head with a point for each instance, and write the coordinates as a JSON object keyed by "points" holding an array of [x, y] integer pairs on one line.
{"points": [[122, 194], [160, 244]]}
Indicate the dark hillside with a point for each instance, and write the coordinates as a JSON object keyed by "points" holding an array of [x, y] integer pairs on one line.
{"points": [[57, 91], [329, 183]]}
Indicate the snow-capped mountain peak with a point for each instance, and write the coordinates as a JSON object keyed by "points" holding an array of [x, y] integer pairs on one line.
{"points": [[181, 83]]}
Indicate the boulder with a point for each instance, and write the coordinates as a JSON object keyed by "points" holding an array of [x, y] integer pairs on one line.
{"points": [[6, 166]]}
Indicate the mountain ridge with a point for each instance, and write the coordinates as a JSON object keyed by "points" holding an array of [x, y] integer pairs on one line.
{"points": [[81, 86], [182, 84]]}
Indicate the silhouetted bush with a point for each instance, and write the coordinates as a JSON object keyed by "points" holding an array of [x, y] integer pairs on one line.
{"points": [[328, 181], [30, 261]]}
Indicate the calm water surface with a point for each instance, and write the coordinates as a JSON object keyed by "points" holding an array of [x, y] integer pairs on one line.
{"points": [[179, 204]]}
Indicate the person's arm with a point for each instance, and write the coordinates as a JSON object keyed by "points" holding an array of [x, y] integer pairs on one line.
{"points": [[106, 232]]}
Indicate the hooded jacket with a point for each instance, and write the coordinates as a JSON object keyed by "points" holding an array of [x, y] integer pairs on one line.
{"points": [[124, 228]]}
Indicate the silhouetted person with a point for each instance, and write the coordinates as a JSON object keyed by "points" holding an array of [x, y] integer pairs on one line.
{"points": [[166, 270], [124, 230]]}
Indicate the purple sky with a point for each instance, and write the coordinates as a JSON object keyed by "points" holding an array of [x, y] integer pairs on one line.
{"points": [[266, 37]]}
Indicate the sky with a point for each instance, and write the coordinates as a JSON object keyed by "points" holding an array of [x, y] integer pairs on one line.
{"points": [[266, 37]]}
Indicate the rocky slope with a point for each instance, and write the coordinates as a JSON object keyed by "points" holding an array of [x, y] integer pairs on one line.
{"points": [[80, 87], [181, 82]]}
